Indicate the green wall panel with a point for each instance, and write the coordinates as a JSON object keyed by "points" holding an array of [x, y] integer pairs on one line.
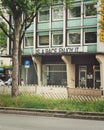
{"points": [[90, 21], [28, 51], [31, 28], [73, 23], [57, 24], [92, 48], [42, 26]]}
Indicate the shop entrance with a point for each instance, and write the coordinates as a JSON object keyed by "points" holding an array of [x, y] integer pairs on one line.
{"points": [[89, 77], [97, 81], [82, 76]]}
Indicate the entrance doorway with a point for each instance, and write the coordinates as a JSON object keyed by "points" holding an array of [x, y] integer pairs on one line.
{"points": [[89, 76], [97, 81], [82, 76]]}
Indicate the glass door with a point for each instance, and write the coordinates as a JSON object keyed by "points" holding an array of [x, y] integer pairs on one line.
{"points": [[82, 76], [97, 81]]}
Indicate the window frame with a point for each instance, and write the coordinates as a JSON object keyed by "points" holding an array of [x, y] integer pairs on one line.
{"points": [[28, 35], [57, 19], [85, 10], [39, 15], [90, 43], [70, 44], [39, 40], [58, 39], [69, 16], [48, 72]]}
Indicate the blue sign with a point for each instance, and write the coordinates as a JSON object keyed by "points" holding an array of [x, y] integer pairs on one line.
{"points": [[27, 64]]}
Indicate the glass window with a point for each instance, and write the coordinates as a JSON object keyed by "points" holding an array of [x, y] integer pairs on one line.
{"points": [[90, 10], [44, 15], [29, 40], [57, 14], [57, 39], [90, 37], [74, 38], [75, 12], [55, 74], [44, 40]]}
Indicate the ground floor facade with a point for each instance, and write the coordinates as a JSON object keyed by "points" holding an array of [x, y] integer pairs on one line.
{"points": [[85, 70]]}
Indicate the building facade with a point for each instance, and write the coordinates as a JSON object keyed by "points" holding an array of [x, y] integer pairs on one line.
{"points": [[66, 46]]}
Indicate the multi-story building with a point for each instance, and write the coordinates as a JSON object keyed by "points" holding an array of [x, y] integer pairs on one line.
{"points": [[64, 46]]}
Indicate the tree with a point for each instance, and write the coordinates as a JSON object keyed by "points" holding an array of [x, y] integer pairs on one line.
{"points": [[3, 39], [23, 12]]}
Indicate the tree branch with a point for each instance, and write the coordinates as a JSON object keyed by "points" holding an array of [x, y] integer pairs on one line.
{"points": [[9, 23], [27, 23], [5, 31]]}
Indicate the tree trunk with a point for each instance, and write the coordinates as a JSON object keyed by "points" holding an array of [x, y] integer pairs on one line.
{"points": [[15, 58]]}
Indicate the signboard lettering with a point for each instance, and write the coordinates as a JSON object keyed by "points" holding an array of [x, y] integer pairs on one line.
{"points": [[56, 50]]}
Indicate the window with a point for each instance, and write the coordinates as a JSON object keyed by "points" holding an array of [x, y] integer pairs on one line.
{"points": [[90, 37], [44, 15], [54, 74], [29, 39], [57, 13], [43, 40], [74, 38], [90, 10], [75, 12], [57, 39]]}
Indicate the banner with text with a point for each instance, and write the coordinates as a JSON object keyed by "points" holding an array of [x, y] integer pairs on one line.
{"points": [[60, 50]]}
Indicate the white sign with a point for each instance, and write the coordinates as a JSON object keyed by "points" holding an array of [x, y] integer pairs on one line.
{"points": [[58, 50]]}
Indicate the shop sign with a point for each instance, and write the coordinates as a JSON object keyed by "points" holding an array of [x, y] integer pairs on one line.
{"points": [[101, 36], [57, 50], [102, 20]]}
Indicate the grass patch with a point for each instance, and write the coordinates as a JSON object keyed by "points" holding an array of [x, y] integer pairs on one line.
{"points": [[38, 102]]}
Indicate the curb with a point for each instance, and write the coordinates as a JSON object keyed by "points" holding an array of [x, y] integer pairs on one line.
{"points": [[54, 113]]}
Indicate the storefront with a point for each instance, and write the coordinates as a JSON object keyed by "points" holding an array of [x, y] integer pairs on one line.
{"points": [[77, 71], [87, 71]]}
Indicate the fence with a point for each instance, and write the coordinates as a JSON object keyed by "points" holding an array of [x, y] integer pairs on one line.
{"points": [[87, 94], [45, 91], [56, 92]]}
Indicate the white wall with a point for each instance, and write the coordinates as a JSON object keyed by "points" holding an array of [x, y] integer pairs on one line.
{"points": [[5, 61]]}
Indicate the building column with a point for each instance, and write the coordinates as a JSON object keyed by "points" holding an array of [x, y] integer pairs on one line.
{"points": [[100, 59], [37, 60], [70, 68]]}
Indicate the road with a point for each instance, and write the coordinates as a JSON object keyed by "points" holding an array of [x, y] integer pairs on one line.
{"points": [[27, 122]]}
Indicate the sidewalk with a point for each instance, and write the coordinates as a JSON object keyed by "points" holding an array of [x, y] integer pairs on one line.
{"points": [[53, 113]]}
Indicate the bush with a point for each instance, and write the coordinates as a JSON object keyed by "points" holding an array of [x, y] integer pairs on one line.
{"points": [[38, 102]]}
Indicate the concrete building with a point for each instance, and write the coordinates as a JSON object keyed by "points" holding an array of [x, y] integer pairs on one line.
{"points": [[65, 46]]}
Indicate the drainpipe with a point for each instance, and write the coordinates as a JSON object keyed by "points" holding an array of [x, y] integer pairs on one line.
{"points": [[37, 60], [100, 59], [70, 71]]}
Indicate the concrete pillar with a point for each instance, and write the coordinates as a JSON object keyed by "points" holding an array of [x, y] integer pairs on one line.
{"points": [[70, 68], [100, 59], [37, 60]]}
